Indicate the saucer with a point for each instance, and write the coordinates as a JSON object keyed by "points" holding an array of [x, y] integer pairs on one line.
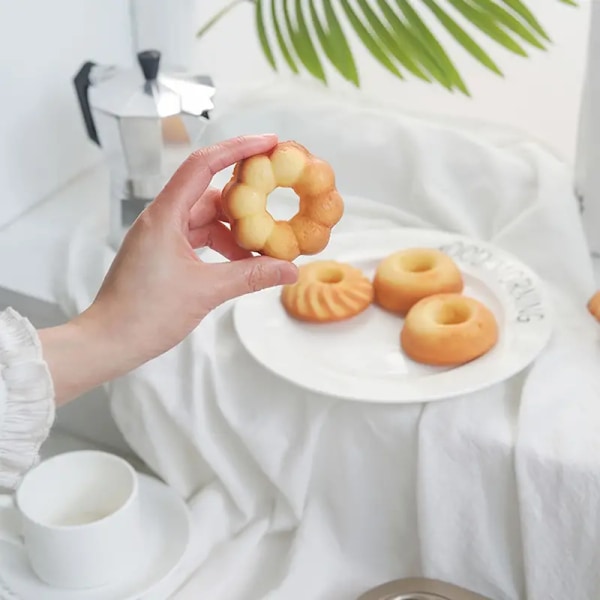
{"points": [[167, 534]]}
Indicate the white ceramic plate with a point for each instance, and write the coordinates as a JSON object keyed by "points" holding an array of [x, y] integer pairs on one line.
{"points": [[361, 359], [167, 525]]}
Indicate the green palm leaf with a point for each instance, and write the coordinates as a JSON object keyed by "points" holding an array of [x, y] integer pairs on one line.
{"points": [[283, 44], [486, 23], [462, 37], [369, 40], [309, 35], [334, 42], [430, 42], [301, 40], [411, 44], [520, 9], [262, 34], [388, 40], [510, 21]]}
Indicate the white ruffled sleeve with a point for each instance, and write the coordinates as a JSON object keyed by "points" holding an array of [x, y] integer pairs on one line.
{"points": [[26, 398]]}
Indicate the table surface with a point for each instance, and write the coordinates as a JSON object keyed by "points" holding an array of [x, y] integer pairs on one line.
{"points": [[31, 248]]}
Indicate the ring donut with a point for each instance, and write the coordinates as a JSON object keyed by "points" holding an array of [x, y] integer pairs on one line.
{"points": [[289, 165], [407, 276], [448, 330]]}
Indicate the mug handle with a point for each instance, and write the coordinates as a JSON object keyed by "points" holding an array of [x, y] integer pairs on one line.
{"points": [[10, 520]]}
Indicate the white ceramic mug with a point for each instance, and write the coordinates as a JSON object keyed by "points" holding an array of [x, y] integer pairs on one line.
{"points": [[80, 520]]}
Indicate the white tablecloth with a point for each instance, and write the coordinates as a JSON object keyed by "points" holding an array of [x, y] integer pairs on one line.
{"points": [[301, 496]]}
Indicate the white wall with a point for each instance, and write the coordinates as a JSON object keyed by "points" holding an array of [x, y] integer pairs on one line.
{"points": [[540, 96], [42, 44]]}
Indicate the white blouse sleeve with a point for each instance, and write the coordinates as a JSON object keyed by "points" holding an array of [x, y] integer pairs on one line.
{"points": [[26, 398]]}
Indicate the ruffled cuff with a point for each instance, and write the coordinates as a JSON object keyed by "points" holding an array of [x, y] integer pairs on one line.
{"points": [[26, 400]]}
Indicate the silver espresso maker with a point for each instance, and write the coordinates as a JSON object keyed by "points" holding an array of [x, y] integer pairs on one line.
{"points": [[147, 122]]}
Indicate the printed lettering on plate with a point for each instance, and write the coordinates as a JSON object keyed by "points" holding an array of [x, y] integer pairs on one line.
{"points": [[516, 282]]}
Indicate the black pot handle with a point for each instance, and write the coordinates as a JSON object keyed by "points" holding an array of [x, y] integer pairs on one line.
{"points": [[149, 62], [82, 84]]}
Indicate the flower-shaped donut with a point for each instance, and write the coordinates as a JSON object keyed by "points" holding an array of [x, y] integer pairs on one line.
{"points": [[291, 165]]}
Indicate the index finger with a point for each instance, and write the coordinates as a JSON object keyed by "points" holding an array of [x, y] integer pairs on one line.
{"points": [[192, 178]]}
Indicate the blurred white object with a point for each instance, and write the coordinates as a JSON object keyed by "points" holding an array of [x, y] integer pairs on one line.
{"points": [[169, 27], [587, 172]]}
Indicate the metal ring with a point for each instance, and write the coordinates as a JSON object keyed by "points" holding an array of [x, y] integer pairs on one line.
{"points": [[419, 589]]}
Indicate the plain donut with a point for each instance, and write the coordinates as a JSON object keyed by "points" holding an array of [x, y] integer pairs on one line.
{"points": [[290, 165], [407, 276], [448, 329]]}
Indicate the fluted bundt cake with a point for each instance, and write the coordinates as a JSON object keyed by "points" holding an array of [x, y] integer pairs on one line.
{"points": [[327, 291]]}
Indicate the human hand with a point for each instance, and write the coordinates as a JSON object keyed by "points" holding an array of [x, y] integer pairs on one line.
{"points": [[157, 290]]}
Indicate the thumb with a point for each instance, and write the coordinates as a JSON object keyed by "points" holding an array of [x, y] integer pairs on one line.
{"points": [[233, 279]]}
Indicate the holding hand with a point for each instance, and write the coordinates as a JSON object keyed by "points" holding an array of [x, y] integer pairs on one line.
{"points": [[157, 290]]}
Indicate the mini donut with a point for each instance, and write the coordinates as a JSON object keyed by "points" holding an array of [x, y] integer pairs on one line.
{"points": [[593, 306], [407, 276], [327, 291], [291, 165], [448, 330]]}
